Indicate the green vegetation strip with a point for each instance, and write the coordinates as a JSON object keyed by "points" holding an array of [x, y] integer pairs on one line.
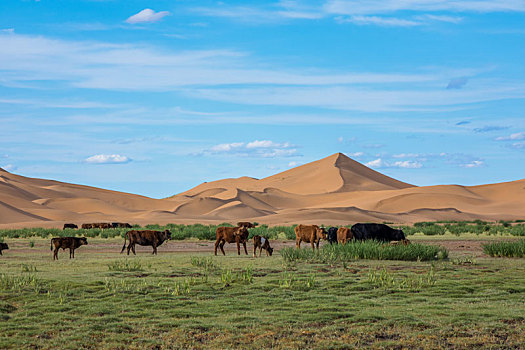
{"points": [[506, 249], [207, 232], [366, 250]]}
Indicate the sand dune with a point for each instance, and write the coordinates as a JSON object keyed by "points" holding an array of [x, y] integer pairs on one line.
{"points": [[334, 190]]}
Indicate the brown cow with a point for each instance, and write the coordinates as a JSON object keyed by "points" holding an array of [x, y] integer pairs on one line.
{"points": [[120, 225], [102, 225], [69, 226], [344, 234], [261, 243], [87, 226], [67, 242], [246, 224], [145, 237], [309, 234], [3, 246], [231, 234]]}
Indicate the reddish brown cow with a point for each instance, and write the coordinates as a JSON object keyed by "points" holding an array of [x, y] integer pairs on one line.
{"points": [[87, 226], [231, 234], [145, 237], [67, 242], [344, 234], [261, 243], [120, 225], [246, 224], [309, 234]]}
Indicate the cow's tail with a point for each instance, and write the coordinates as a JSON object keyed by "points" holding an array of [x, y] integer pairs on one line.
{"points": [[124, 246], [51, 248]]}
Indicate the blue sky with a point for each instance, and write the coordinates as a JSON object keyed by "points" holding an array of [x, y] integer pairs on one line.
{"points": [[155, 97]]}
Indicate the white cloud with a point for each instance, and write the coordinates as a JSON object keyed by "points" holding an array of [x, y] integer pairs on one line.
{"points": [[408, 164], [473, 164], [147, 16], [257, 148], [518, 145], [356, 154], [381, 21], [293, 164], [107, 159], [9, 167], [512, 137], [8, 30], [405, 155]]}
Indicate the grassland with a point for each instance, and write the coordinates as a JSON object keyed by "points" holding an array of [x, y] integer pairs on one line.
{"points": [[195, 300]]}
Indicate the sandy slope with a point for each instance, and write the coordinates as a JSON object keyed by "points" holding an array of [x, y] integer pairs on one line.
{"points": [[333, 190]]}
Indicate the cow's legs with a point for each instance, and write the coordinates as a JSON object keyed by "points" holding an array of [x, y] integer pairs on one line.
{"points": [[260, 251], [244, 245], [254, 251], [129, 247], [154, 250], [312, 243], [317, 244], [217, 242], [238, 248], [133, 249], [55, 254], [298, 243], [222, 246]]}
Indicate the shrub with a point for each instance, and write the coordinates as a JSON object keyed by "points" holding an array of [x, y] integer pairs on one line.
{"points": [[506, 249]]}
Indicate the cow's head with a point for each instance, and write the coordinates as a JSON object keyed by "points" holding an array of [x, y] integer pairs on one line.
{"points": [[398, 235], [321, 233], [167, 234], [83, 241], [3, 246], [332, 234], [270, 250], [242, 231]]}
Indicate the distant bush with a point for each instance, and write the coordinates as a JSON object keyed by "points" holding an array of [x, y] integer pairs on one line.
{"points": [[506, 249]]}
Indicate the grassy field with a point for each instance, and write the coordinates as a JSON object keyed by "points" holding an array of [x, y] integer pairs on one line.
{"points": [[195, 300]]}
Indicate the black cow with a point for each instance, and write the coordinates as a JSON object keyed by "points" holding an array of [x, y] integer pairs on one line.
{"points": [[332, 235], [73, 226], [67, 242], [145, 237], [120, 225], [379, 232], [3, 246]]}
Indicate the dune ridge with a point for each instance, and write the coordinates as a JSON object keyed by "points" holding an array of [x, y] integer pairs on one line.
{"points": [[333, 190]]}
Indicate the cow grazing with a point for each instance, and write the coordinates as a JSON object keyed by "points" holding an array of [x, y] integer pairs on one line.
{"points": [[331, 235], [120, 225], [246, 224], [102, 225], [67, 242], [231, 235], [73, 226], [261, 243], [87, 226], [309, 234], [379, 232], [344, 234], [3, 246], [145, 237]]}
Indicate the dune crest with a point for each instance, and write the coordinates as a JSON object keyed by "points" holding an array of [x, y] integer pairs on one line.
{"points": [[333, 190]]}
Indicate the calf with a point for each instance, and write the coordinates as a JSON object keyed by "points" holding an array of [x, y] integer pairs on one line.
{"points": [[231, 234], [3, 246], [120, 225], [261, 243], [246, 224], [379, 232], [332, 235], [67, 242], [344, 234], [309, 234], [73, 226], [145, 237]]}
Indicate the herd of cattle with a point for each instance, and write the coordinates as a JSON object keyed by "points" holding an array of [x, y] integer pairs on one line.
{"points": [[239, 234]]}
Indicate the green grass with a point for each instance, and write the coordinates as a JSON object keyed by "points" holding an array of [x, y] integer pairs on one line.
{"points": [[207, 232], [366, 250], [197, 300], [506, 249]]}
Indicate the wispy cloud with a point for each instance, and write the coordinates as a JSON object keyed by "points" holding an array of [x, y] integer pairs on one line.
{"points": [[406, 164], [9, 167], [107, 159], [457, 83], [473, 164], [512, 137], [257, 148], [147, 16], [463, 122], [489, 128], [381, 21]]}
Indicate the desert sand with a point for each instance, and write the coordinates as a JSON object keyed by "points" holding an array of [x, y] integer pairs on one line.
{"points": [[333, 191]]}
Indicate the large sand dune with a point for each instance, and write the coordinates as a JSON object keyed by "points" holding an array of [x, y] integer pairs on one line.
{"points": [[333, 190]]}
